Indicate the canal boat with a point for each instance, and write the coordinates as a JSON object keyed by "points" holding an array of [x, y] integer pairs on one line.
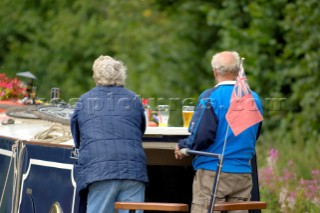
{"points": [[37, 155]]}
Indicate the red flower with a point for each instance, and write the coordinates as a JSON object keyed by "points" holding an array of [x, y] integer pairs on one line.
{"points": [[10, 88]]}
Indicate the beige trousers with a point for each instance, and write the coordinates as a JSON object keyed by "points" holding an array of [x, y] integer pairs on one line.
{"points": [[232, 187]]}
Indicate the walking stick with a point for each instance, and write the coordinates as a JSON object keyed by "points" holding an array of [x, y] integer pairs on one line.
{"points": [[218, 172]]}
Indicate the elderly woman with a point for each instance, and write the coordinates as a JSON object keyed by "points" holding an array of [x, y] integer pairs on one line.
{"points": [[107, 126]]}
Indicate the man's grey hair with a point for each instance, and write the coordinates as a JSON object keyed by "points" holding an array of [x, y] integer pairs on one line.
{"points": [[109, 72], [226, 66]]}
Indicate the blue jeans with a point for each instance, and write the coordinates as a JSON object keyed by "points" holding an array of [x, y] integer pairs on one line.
{"points": [[103, 194]]}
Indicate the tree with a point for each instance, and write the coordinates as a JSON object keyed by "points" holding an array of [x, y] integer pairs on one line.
{"points": [[167, 46]]}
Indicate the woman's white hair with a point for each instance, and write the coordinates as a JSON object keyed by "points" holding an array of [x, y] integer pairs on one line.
{"points": [[109, 72], [226, 63]]}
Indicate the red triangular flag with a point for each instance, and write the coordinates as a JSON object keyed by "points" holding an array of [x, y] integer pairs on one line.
{"points": [[243, 111]]}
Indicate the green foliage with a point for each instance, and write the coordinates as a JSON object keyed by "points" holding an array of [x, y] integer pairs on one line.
{"points": [[301, 62], [59, 41]]}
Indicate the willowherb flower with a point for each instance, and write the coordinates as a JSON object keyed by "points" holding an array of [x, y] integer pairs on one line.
{"points": [[273, 153], [287, 199], [267, 179], [288, 175], [316, 174], [311, 188], [291, 200], [283, 197], [291, 193], [272, 157]]}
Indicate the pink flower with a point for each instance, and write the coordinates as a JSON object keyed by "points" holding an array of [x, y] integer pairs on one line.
{"points": [[284, 184], [315, 174], [10, 85], [273, 153], [302, 182], [292, 199]]}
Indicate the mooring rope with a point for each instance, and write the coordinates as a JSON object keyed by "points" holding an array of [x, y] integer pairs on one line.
{"points": [[57, 133]]}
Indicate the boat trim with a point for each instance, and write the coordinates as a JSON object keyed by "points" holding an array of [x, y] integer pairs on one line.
{"points": [[6, 152], [53, 165]]}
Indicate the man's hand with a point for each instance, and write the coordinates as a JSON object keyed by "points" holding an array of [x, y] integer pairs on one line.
{"points": [[177, 153]]}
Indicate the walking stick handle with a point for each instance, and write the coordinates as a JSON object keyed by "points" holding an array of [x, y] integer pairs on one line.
{"points": [[187, 152]]}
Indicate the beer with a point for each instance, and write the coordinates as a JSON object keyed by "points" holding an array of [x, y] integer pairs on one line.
{"points": [[187, 113], [163, 115]]}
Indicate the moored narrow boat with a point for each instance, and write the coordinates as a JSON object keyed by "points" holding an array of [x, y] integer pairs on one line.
{"points": [[37, 173]]}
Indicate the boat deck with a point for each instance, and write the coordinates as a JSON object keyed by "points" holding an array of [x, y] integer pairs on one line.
{"points": [[26, 129]]}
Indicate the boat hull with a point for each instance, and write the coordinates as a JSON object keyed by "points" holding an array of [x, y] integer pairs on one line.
{"points": [[44, 180]]}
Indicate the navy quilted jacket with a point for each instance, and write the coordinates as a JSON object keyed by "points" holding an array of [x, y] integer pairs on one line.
{"points": [[107, 126]]}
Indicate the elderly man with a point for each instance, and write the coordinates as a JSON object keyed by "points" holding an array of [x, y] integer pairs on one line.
{"points": [[107, 125], [208, 130]]}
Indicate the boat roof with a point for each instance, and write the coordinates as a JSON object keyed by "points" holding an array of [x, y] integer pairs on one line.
{"points": [[27, 129]]}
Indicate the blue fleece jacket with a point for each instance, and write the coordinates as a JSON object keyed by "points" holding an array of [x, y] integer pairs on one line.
{"points": [[208, 130]]}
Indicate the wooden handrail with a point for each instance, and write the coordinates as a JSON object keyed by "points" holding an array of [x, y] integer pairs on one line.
{"points": [[179, 207], [245, 205], [173, 207]]}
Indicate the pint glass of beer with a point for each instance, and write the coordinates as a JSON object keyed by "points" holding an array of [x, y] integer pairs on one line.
{"points": [[187, 113], [163, 115]]}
